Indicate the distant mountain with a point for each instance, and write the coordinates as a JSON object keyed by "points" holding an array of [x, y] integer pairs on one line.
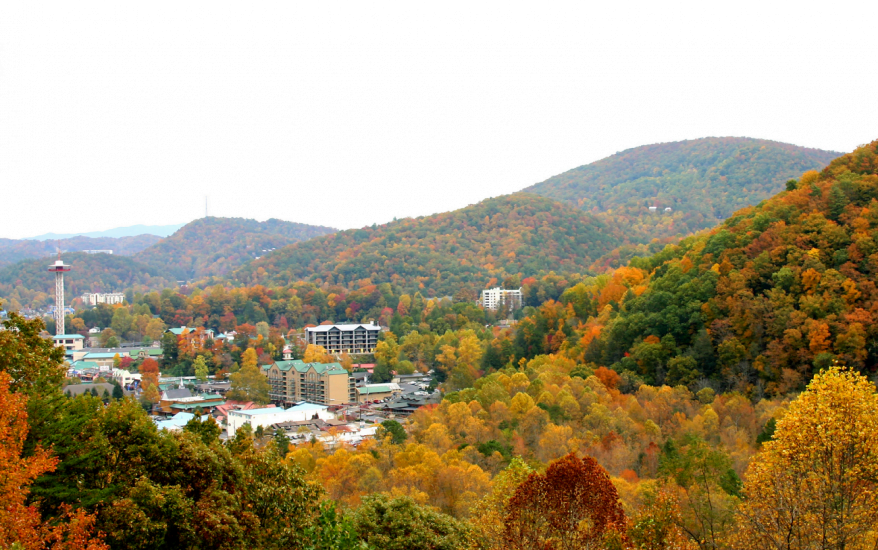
{"points": [[130, 231], [702, 181], [216, 246], [13, 250], [29, 284], [437, 255]]}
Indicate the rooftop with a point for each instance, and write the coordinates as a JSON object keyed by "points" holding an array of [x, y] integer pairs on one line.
{"points": [[344, 328], [259, 412], [68, 336]]}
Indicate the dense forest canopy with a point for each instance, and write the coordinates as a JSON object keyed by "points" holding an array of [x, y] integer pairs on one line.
{"points": [[703, 181], [774, 294], [509, 236], [215, 246], [14, 250]]}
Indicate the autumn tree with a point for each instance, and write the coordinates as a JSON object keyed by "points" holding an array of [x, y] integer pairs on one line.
{"points": [[32, 362], [707, 484], [572, 506], [402, 524], [490, 512], [815, 483], [317, 354], [20, 524], [149, 380], [200, 367], [249, 384]]}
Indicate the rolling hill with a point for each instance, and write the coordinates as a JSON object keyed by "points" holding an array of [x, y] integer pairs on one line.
{"points": [[14, 250], [216, 246], [28, 284], [505, 236], [702, 181], [764, 300]]}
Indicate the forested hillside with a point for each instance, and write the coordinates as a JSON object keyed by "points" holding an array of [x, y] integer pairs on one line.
{"points": [[774, 294], [29, 284], [14, 250], [440, 254], [703, 181], [216, 246]]}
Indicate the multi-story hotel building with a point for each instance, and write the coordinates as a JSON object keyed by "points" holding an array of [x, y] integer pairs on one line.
{"points": [[344, 338], [496, 298], [296, 381]]}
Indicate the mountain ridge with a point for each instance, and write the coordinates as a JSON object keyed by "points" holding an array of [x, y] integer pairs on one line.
{"points": [[702, 181], [496, 238]]}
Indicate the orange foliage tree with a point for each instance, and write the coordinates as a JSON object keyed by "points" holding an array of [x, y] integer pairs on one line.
{"points": [[573, 505], [20, 525]]}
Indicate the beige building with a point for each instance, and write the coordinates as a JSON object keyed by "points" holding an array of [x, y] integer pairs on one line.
{"points": [[296, 381], [70, 342]]}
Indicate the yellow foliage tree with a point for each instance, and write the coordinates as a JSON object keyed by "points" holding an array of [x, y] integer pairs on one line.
{"points": [[815, 485]]}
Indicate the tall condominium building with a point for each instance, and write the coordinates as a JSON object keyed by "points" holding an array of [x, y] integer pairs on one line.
{"points": [[495, 298], [344, 338], [295, 381]]}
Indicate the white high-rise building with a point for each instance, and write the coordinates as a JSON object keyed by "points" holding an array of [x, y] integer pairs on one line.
{"points": [[109, 298], [495, 298]]}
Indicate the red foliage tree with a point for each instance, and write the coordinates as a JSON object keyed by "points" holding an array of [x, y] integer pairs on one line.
{"points": [[572, 506]]}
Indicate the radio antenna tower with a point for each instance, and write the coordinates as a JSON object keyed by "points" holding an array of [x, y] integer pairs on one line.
{"points": [[59, 268]]}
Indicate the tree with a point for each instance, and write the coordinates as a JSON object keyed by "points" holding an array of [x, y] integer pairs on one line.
{"points": [[105, 336], [31, 361], [490, 512], [170, 349], [117, 391], [249, 384], [317, 354], [572, 505], [207, 430], [401, 524], [395, 430], [200, 367], [815, 483], [708, 484], [20, 525], [149, 380]]}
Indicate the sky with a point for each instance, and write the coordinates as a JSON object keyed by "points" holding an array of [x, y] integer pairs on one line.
{"points": [[352, 113]]}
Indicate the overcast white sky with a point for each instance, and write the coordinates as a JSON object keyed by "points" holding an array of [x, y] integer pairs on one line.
{"points": [[352, 113]]}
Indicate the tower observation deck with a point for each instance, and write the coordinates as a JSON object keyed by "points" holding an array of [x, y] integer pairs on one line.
{"points": [[59, 268]]}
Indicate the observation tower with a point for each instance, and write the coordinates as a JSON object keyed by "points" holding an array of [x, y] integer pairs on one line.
{"points": [[58, 268]]}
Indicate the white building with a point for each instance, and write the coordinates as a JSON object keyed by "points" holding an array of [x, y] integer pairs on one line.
{"points": [[275, 415], [109, 298], [494, 298], [353, 339]]}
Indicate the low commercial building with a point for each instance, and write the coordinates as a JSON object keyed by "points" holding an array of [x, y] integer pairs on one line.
{"points": [[353, 339], [295, 381], [179, 421], [70, 342], [78, 389], [274, 415], [377, 392]]}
